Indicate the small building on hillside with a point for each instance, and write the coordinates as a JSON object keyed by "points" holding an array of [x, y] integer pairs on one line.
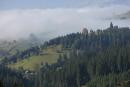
{"points": [[43, 53]]}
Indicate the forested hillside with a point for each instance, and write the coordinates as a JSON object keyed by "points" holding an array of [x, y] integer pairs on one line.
{"points": [[98, 58]]}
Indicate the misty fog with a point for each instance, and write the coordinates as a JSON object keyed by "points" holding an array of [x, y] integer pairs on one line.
{"points": [[49, 23]]}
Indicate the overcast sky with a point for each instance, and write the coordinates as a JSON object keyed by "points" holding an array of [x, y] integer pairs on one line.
{"points": [[50, 18], [32, 4]]}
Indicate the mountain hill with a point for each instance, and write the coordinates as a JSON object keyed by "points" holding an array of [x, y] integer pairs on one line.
{"points": [[89, 58]]}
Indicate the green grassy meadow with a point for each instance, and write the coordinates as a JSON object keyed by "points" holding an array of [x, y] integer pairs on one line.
{"points": [[49, 55]]}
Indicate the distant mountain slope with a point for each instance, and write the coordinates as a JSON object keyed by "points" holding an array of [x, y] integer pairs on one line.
{"points": [[9, 48]]}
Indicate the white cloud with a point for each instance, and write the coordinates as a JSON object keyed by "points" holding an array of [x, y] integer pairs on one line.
{"points": [[53, 22]]}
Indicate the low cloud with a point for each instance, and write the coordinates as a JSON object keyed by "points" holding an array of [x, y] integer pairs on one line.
{"points": [[19, 23]]}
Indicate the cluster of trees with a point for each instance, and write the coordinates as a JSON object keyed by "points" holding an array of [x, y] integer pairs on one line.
{"points": [[94, 39], [111, 80], [97, 59], [12, 78]]}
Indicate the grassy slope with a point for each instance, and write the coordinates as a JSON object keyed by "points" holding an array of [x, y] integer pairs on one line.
{"points": [[32, 63]]}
